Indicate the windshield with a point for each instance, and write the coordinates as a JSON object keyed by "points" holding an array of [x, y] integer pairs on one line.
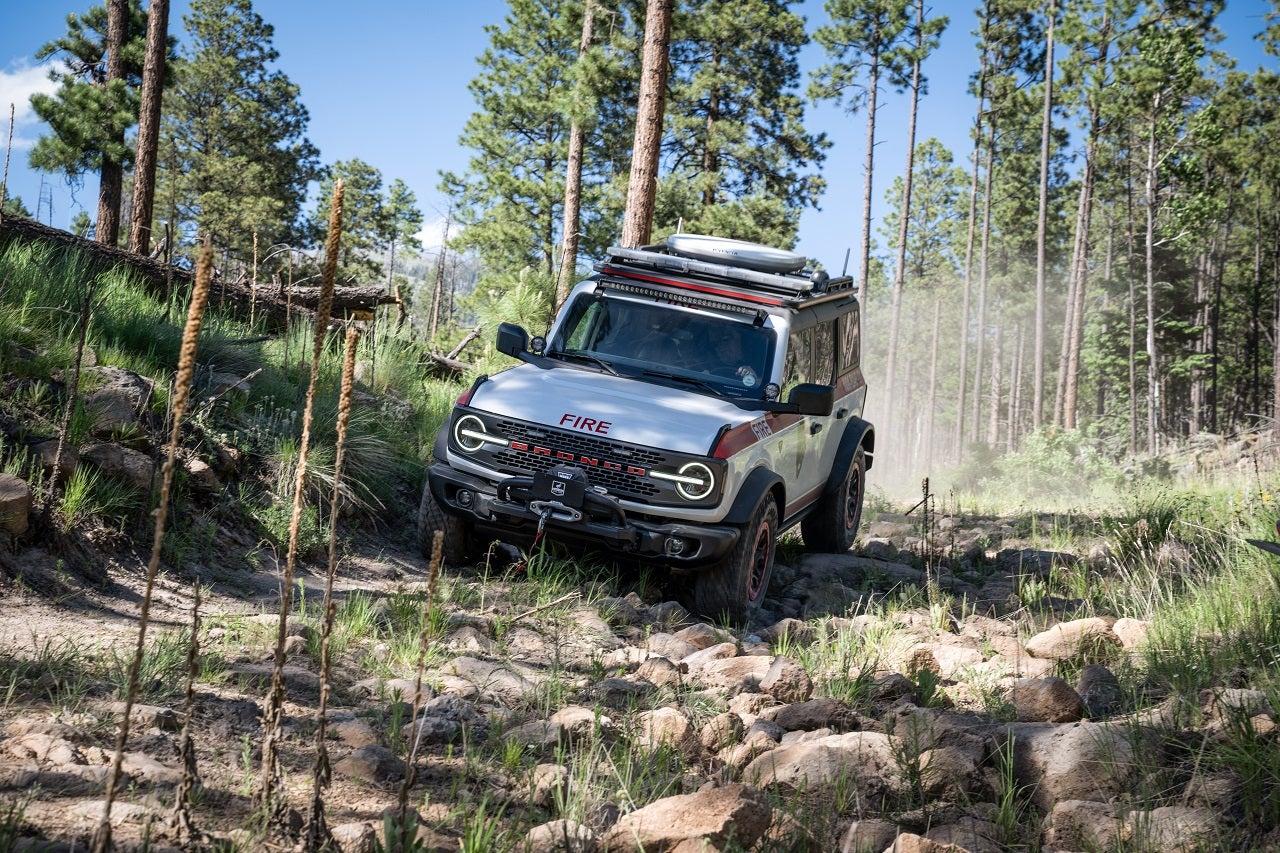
{"points": [[684, 345]]}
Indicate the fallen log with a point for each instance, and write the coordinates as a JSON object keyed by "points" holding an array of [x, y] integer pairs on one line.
{"points": [[275, 303]]}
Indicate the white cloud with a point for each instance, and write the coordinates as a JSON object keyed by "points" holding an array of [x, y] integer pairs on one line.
{"points": [[432, 234], [17, 84]]}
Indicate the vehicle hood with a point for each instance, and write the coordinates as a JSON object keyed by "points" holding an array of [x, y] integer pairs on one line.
{"points": [[613, 407]]}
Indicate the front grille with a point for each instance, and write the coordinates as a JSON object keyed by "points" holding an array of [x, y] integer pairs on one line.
{"points": [[619, 483]]}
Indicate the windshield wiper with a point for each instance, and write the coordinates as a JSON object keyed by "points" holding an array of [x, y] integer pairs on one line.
{"points": [[586, 356], [688, 380]]}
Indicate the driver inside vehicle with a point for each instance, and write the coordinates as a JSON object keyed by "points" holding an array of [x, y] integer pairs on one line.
{"points": [[730, 355]]}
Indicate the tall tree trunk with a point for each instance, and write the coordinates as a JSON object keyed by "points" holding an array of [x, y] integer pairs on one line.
{"points": [[961, 401], [111, 177], [993, 414], [900, 276], [573, 176], [146, 155], [437, 292], [1275, 323], [931, 404], [1080, 274], [1042, 221], [1153, 374], [1015, 390], [1068, 333], [983, 259], [873, 86], [1255, 315], [1199, 378], [642, 190]]}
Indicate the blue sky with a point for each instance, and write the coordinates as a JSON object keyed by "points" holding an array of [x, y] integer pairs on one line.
{"points": [[389, 85]]}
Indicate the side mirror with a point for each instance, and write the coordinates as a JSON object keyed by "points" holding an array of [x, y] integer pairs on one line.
{"points": [[512, 340], [812, 399]]}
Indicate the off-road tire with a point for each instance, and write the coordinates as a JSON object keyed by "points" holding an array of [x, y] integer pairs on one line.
{"points": [[735, 587], [832, 527], [459, 544]]}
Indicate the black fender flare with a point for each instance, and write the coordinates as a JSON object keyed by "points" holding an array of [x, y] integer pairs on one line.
{"points": [[758, 483], [857, 433]]}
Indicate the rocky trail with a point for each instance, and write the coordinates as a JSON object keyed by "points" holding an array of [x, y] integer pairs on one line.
{"points": [[906, 696]]}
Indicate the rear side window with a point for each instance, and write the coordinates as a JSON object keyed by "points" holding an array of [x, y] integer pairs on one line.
{"points": [[849, 342], [811, 356]]}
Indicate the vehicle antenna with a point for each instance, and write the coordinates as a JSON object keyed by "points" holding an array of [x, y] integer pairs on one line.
{"points": [[845, 271]]}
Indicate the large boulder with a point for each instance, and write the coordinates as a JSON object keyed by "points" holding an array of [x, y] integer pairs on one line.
{"points": [[116, 460], [730, 814], [1079, 761], [118, 400], [870, 760], [15, 504]]}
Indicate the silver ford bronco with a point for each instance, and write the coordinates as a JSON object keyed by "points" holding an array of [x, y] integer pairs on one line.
{"points": [[692, 400]]}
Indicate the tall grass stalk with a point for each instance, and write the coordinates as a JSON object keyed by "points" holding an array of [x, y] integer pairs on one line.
{"points": [[424, 639], [317, 836], [271, 780], [183, 823], [73, 392], [181, 391]]}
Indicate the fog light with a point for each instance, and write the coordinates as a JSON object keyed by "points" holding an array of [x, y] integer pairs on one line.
{"points": [[464, 497], [673, 546]]}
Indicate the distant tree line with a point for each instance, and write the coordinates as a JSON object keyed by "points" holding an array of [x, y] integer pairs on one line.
{"points": [[1105, 256]]}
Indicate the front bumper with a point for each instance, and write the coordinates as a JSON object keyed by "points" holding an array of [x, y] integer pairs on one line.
{"points": [[505, 511]]}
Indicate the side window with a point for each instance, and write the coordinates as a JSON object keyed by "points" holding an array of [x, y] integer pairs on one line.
{"points": [[824, 355], [849, 342], [799, 359]]}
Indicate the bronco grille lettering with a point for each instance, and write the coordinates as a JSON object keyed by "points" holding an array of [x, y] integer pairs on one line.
{"points": [[576, 458]]}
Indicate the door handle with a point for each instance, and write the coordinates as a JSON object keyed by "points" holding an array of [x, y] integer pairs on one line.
{"points": [[840, 413], [815, 428]]}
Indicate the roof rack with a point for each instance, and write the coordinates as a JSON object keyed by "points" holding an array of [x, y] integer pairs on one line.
{"points": [[788, 288]]}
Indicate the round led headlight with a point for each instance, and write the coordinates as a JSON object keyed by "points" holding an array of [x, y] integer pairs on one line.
{"points": [[470, 434], [694, 481]]}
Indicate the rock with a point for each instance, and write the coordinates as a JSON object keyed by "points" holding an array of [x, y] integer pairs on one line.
{"points": [[1081, 640], [868, 836], [700, 658], [144, 767], [946, 659], [354, 733], [787, 681], [547, 783], [1099, 689], [667, 727], [704, 636], [667, 646], [1131, 632], [1084, 825], [474, 677], [118, 400], [730, 814], [149, 716], [867, 759], [259, 676], [201, 475], [669, 614], [789, 630], [15, 504], [116, 460], [721, 731], [661, 672], [1046, 700], [559, 836], [821, 713], [1071, 762], [1177, 829], [733, 675], [47, 452], [623, 693], [372, 763], [948, 773], [581, 725], [358, 837]]}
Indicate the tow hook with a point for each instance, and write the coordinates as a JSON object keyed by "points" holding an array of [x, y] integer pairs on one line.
{"points": [[554, 510]]}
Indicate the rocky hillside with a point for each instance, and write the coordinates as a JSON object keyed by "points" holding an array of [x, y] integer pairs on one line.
{"points": [[909, 695]]}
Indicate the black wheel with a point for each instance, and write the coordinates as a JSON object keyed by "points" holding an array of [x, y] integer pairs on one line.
{"points": [[832, 527], [736, 586], [459, 546]]}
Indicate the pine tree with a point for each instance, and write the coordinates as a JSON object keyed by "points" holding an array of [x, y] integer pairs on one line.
{"points": [[739, 157], [509, 201], [235, 155], [147, 150], [363, 218], [401, 222], [95, 104]]}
